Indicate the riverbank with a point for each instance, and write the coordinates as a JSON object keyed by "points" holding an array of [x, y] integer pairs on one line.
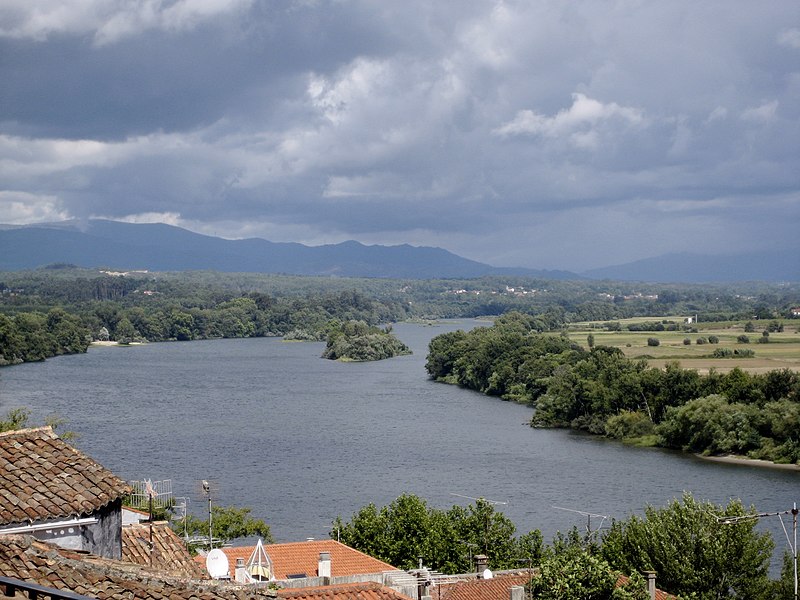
{"points": [[753, 462]]}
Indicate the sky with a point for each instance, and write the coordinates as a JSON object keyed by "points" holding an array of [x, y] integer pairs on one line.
{"points": [[541, 134]]}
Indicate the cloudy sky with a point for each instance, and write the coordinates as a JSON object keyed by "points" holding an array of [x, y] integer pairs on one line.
{"points": [[546, 134]]}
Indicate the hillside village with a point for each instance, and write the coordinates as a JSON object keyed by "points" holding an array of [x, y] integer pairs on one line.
{"points": [[65, 534]]}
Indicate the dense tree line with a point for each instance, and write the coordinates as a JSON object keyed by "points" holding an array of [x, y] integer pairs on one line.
{"points": [[35, 336], [581, 300], [408, 530], [199, 305], [154, 316], [601, 391], [694, 554], [358, 341]]}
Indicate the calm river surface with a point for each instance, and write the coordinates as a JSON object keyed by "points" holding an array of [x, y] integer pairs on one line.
{"points": [[301, 440]]}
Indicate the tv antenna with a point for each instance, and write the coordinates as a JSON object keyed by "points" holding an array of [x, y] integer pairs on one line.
{"points": [[487, 520], [154, 495], [588, 515], [481, 499]]}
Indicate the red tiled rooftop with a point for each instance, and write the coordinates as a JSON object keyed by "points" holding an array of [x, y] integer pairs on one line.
{"points": [[303, 557], [28, 559], [343, 591], [168, 555], [42, 477], [496, 588]]}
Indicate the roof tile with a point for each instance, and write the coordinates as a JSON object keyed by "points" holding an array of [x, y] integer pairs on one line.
{"points": [[169, 554], [497, 588], [43, 477], [345, 591], [25, 558], [303, 557]]}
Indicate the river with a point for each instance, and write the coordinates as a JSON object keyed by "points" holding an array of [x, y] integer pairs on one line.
{"points": [[301, 440]]}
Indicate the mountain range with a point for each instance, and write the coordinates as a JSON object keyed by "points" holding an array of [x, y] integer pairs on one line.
{"points": [[160, 247]]}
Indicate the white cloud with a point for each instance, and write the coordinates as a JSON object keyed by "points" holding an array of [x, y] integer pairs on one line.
{"points": [[170, 218], [577, 121], [790, 38], [25, 207], [763, 113], [719, 113], [107, 20], [28, 158]]}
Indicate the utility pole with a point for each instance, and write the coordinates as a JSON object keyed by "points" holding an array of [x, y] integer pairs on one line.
{"points": [[792, 544]]}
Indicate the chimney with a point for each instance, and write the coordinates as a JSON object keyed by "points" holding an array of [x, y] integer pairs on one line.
{"points": [[516, 592], [651, 584], [481, 562], [241, 574], [324, 568]]}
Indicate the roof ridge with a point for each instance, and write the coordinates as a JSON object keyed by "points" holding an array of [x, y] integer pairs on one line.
{"points": [[30, 431]]}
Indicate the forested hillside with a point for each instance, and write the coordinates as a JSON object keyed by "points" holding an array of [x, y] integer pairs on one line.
{"points": [[141, 306], [137, 309]]}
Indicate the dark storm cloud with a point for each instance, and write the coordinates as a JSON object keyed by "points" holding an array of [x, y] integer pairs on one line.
{"points": [[515, 133]]}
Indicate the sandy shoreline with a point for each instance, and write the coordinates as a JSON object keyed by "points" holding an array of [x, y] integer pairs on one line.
{"points": [[110, 343], [753, 462]]}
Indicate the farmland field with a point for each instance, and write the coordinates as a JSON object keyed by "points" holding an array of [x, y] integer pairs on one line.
{"points": [[781, 352]]}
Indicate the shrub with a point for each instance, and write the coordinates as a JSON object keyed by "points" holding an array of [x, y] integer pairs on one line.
{"points": [[653, 341], [743, 339], [628, 424], [687, 342], [701, 341], [722, 353], [712, 339], [744, 352]]}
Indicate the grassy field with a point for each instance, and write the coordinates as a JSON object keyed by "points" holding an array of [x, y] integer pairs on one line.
{"points": [[782, 351]]}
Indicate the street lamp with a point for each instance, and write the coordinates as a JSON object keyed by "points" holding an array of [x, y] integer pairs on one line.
{"points": [[792, 545]]}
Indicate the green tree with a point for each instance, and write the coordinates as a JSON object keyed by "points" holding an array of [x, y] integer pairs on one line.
{"points": [[227, 523], [578, 575], [711, 425], [407, 530], [124, 333], [693, 554], [16, 418]]}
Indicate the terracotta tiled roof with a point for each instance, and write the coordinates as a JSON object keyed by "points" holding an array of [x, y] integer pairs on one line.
{"points": [[343, 591], [42, 477], [303, 557], [169, 555], [496, 588], [33, 561]]}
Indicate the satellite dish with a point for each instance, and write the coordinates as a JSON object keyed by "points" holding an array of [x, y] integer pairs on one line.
{"points": [[217, 564], [487, 574]]}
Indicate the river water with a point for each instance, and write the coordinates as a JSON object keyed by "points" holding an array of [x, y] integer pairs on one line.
{"points": [[301, 440]]}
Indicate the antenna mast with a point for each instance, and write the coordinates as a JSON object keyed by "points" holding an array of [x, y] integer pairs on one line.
{"points": [[207, 492], [588, 515]]}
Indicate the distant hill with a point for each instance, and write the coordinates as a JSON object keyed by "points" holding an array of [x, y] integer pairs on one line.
{"points": [[695, 268], [160, 247]]}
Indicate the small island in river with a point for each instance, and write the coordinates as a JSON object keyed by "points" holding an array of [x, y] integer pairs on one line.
{"points": [[357, 341]]}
